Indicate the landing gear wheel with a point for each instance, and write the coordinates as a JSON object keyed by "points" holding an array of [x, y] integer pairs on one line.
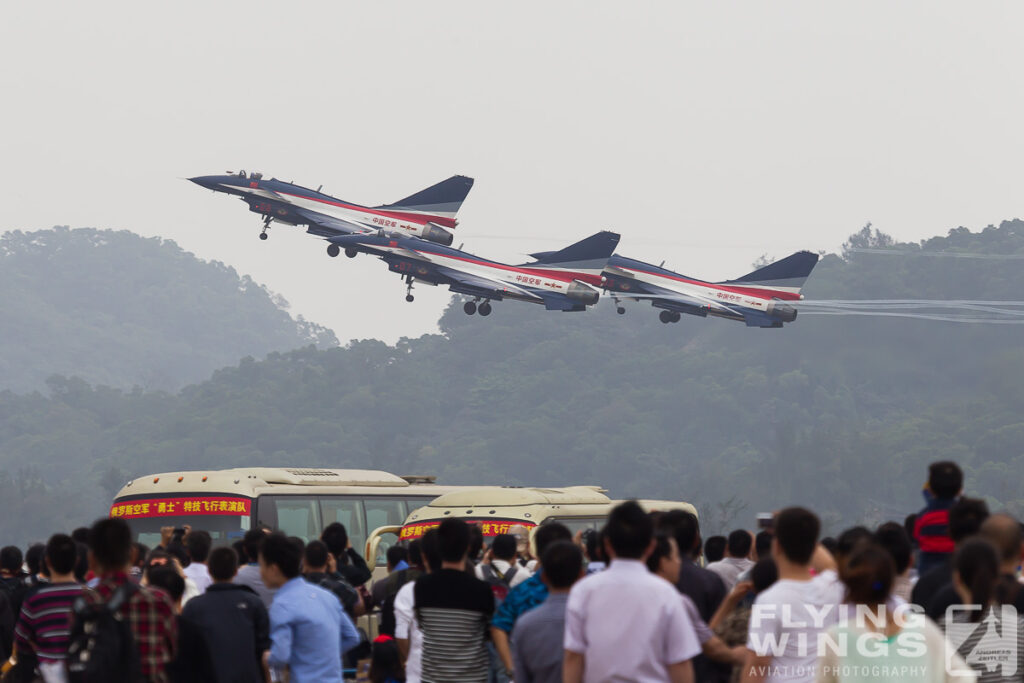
{"points": [[333, 250], [676, 316], [469, 307], [264, 235], [485, 309], [409, 298], [665, 317], [620, 310], [351, 252]]}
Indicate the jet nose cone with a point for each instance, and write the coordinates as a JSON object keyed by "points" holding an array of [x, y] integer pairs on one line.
{"points": [[207, 181]]}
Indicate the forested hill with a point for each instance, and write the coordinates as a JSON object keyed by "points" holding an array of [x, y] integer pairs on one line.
{"points": [[838, 412], [118, 309]]}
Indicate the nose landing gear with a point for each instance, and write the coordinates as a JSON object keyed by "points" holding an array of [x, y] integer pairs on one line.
{"points": [[408, 290], [266, 226]]}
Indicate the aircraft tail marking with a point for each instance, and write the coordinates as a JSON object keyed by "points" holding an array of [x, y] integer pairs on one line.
{"points": [[443, 199]]}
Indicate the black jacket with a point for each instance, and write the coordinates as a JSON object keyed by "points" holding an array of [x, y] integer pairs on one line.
{"points": [[353, 568], [235, 629], [339, 586]]}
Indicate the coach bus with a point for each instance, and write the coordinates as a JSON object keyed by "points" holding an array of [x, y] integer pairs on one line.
{"points": [[298, 501]]}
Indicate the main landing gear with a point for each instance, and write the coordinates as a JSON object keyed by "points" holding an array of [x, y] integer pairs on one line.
{"points": [[333, 250], [408, 290], [619, 308], [470, 307], [669, 317], [266, 226]]}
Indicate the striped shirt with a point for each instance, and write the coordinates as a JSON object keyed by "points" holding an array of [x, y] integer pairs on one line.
{"points": [[453, 610], [44, 625]]}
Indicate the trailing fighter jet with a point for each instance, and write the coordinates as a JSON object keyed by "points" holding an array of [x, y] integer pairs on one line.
{"points": [[428, 214], [565, 280], [758, 299]]}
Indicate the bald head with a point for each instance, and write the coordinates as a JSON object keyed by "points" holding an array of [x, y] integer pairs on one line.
{"points": [[1005, 533]]}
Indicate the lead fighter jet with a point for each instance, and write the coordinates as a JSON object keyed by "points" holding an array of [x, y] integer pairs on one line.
{"points": [[565, 280], [428, 214], [759, 299]]}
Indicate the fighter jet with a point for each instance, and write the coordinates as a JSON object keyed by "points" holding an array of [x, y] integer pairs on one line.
{"points": [[428, 214], [758, 299], [565, 280]]}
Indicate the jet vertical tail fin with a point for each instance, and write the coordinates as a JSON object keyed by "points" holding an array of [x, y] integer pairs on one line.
{"points": [[785, 276], [597, 247], [442, 200]]}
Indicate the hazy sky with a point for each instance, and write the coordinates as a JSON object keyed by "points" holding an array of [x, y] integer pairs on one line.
{"points": [[706, 133]]}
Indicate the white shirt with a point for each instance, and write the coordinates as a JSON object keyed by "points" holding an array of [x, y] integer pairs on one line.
{"points": [[628, 624], [787, 621], [406, 628], [729, 570], [200, 575], [500, 567]]}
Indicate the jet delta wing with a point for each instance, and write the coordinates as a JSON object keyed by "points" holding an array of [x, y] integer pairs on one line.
{"points": [[757, 299], [564, 280], [428, 214]]}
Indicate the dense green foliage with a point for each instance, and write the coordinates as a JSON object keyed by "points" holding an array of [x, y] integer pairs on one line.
{"points": [[121, 310], [839, 413]]}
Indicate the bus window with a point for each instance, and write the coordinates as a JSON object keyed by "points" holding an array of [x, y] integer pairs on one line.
{"points": [[575, 524], [348, 511], [414, 504], [384, 512], [294, 515]]}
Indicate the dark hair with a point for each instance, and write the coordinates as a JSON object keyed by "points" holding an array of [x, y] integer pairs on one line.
{"points": [[868, 574], [251, 542], [239, 547], [453, 539], [62, 553], [547, 534], [396, 554], [763, 544], [168, 579], [430, 547], [110, 540], [177, 549], [81, 562], [316, 555], [945, 479], [562, 562], [476, 541], [415, 557], [662, 549], [503, 547], [965, 518], [849, 539], [139, 552], [335, 535], [34, 558], [222, 564], [629, 530], [976, 561], [893, 537], [81, 535], [764, 574], [277, 549], [1004, 532], [386, 662], [739, 543], [198, 544], [714, 548], [592, 542], [909, 522], [796, 531], [11, 559], [830, 544], [684, 528]]}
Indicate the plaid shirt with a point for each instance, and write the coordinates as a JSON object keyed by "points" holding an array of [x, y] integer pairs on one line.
{"points": [[152, 620]]}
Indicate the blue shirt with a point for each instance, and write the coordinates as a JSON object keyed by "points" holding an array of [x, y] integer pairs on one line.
{"points": [[523, 597], [309, 631]]}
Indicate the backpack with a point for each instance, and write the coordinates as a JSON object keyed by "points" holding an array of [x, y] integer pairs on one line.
{"points": [[499, 583], [102, 648], [395, 581]]}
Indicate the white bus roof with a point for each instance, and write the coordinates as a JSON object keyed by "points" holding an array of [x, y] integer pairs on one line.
{"points": [[506, 496]]}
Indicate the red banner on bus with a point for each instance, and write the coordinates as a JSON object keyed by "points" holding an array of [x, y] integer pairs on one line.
{"points": [[489, 527], [173, 507]]}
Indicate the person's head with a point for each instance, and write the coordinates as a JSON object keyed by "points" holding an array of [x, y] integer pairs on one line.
{"points": [[139, 552], [168, 580], [848, 541], [453, 539], [664, 560], [60, 555], [176, 549], [764, 574], [315, 557], [1004, 532], [222, 564], [830, 544], [280, 560], [81, 535], [629, 532], [522, 535], [198, 544], [868, 574], [81, 562], [110, 542], [796, 536], [684, 528], [34, 558], [476, 540], [714, 548], [251, 543], [763, 544], [415, 558], [430, 548], [11, 559], [396, 554], [503, 547], [335, 535], [385, 661], [945, 479], [563, 565], [738, 544], [976, 573], [548, 534], [892, 537], [239, 547], [592, 545], [909, 522], [965, 518]]}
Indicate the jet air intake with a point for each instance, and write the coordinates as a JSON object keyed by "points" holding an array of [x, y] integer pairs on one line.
{"points": [[784, 312], [435, 233], [577, 291]]}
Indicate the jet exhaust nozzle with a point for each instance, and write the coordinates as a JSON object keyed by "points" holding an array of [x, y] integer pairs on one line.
{"points": [[435, 233], [784, 312], [581, 292]]}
